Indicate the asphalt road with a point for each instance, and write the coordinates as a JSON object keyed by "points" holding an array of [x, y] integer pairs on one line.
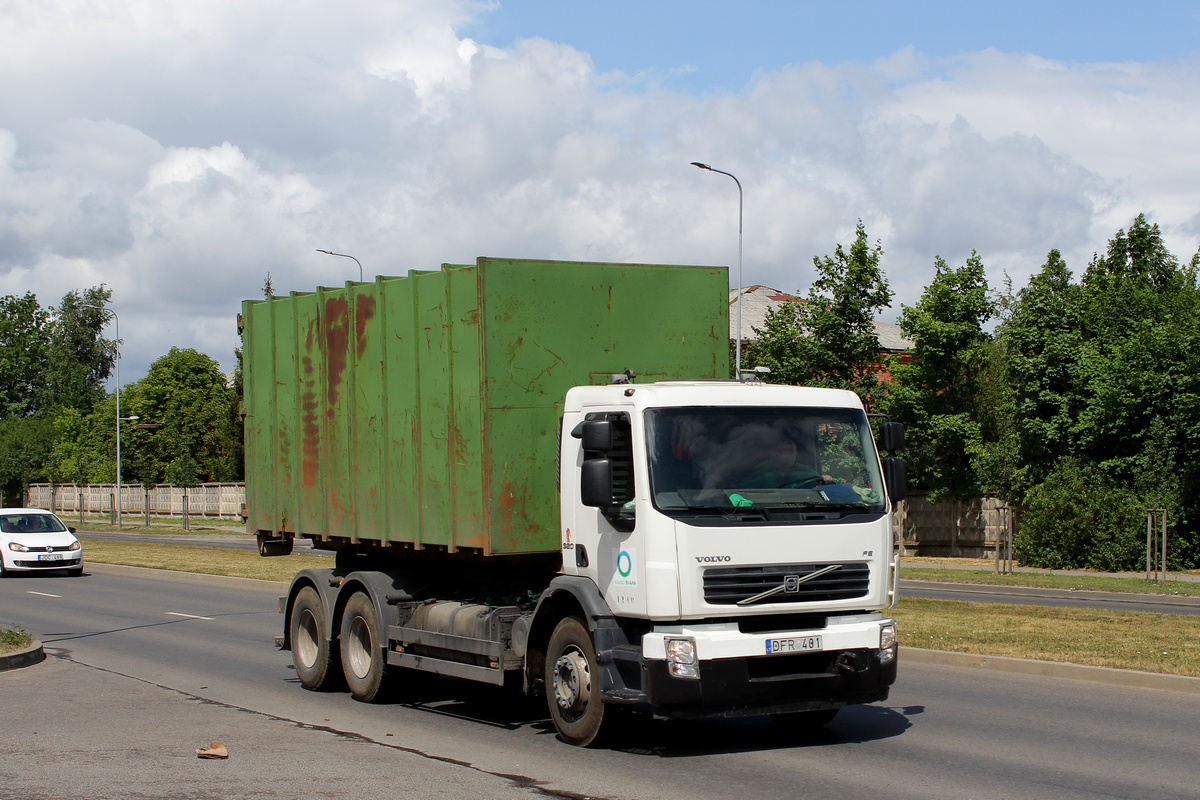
{"points": [[145, 667]]}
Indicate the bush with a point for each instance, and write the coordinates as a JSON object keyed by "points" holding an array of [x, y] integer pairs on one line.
{"points": [[1080, 519]]}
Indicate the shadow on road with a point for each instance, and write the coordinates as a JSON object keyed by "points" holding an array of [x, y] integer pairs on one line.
{"points": [[639, 734]]}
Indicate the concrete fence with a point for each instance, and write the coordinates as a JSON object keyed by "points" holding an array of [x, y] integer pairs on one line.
{"points": [[213, 500], [959, 529]]}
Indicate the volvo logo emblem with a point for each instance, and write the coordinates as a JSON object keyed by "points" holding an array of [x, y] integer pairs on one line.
{"points": [[791, 584]]}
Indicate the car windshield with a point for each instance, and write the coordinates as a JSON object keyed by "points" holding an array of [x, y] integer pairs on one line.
{"points": [[30, 523], [767, 461]]}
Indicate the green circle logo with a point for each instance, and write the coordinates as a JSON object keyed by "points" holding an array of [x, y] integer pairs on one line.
{"points": [[624, 564]]}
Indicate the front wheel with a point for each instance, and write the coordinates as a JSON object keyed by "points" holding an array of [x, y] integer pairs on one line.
{"points": [[311, 654], [362, 654], [572, 681]]}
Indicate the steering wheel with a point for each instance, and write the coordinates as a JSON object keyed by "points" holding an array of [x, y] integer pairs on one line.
{"points": [[806, 483]]}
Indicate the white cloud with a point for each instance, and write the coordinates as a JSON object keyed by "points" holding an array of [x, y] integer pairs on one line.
{"points": [[179, 152]]}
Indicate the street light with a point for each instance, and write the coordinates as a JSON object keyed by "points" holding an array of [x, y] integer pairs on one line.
{"points": [[117, 343], [737, 365], [343, 255]]}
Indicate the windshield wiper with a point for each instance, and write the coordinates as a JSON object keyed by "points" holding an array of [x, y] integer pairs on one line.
{"points": [[822, 505], [726, 511]]}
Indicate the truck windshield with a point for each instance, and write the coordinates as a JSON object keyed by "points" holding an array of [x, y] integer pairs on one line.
{"points": [[763, 462]]}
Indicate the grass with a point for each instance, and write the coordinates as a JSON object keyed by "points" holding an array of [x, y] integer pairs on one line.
{"points": [[1165, 643], [1047, 580], [136, 523], [14, 638], [198, 558]]}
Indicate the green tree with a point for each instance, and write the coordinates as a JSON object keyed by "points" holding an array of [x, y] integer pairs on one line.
{"points": [[23, 333], [941, 394], [1041, 342], [27, 447], [1103, 381], [78, 358], [829, 339], [186, 392]]}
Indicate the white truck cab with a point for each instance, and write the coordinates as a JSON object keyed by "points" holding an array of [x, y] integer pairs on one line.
{"points": [[741, 535]]}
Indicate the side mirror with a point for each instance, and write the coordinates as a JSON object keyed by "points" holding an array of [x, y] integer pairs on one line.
{"points": [[891, 436], [597, 434], [595, 483], [895, 478]]}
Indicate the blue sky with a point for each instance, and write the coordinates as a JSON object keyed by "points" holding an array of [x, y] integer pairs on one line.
{"points": [[179, 151], [707, 46]]}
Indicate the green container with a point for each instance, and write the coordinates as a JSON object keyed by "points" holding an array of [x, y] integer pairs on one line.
{"points": [[421, 412]]}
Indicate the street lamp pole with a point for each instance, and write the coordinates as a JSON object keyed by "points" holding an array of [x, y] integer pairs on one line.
{"points": [[343, 255], [737, 365], [117, 343]]}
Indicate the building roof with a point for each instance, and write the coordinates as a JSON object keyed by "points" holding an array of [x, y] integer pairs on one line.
{"points": [[758, 301]]}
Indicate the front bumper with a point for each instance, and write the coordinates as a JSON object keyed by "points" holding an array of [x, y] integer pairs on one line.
{"points": [[737, 678], [33, 564], [739, 687]]}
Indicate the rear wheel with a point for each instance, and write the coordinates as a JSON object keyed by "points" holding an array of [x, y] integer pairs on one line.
{"points": [[362, 654], [573, 684], [311, 654]]}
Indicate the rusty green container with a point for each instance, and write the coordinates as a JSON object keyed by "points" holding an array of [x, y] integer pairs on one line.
{"points": [[421, 412]]}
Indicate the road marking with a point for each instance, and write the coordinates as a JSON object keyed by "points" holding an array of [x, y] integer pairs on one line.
{"points": [[43, 594], [186, 616]]}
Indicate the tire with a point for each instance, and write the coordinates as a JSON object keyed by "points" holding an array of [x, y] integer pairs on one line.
{"points": [[805, 721], [312, 656], [75, 572], [572, 681], [362, 654]]}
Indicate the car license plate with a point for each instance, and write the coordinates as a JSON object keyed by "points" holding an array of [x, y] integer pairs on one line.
{"points": [[51, 557], [793, 644]]}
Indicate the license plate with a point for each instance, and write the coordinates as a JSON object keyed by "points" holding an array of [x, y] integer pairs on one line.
{"points": [[51, 557], [794, 644]]}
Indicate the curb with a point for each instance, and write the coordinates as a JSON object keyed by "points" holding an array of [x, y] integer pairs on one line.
{"points": [[1108, 676], [23, 658]]}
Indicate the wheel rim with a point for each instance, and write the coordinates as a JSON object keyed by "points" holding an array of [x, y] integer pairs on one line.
{"points": [[572, 681], [359, 649], [306, 636]]}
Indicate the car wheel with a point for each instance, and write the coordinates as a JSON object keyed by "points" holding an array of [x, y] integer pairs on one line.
{"points": [[75, 572]]}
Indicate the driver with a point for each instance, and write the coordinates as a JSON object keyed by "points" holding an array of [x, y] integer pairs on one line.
{"points": [[783, 464]]}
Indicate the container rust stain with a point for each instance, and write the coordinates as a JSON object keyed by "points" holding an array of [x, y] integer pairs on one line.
{"points": [[336, 332], [311, 447], [364, 312]]}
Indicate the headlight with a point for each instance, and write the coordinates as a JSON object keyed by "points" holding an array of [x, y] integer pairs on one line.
{"points": [[20, 548], [681, 658], [887, 643], [75, 545]]}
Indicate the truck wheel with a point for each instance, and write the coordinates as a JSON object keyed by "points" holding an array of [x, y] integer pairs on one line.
{"points": [[310, 649], [362, 654], [573, 684]]}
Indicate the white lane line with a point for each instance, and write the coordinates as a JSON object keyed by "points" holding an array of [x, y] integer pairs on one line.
{"points": [[186, 616], [44, 594]]}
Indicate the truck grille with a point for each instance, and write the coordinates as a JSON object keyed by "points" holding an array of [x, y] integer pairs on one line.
{"points": [[729, 585]]}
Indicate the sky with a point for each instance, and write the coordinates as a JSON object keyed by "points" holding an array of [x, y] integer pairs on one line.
{"points": [[179, 152]]}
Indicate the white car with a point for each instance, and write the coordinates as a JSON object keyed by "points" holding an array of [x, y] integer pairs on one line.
{"points": [[33, 539]]}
